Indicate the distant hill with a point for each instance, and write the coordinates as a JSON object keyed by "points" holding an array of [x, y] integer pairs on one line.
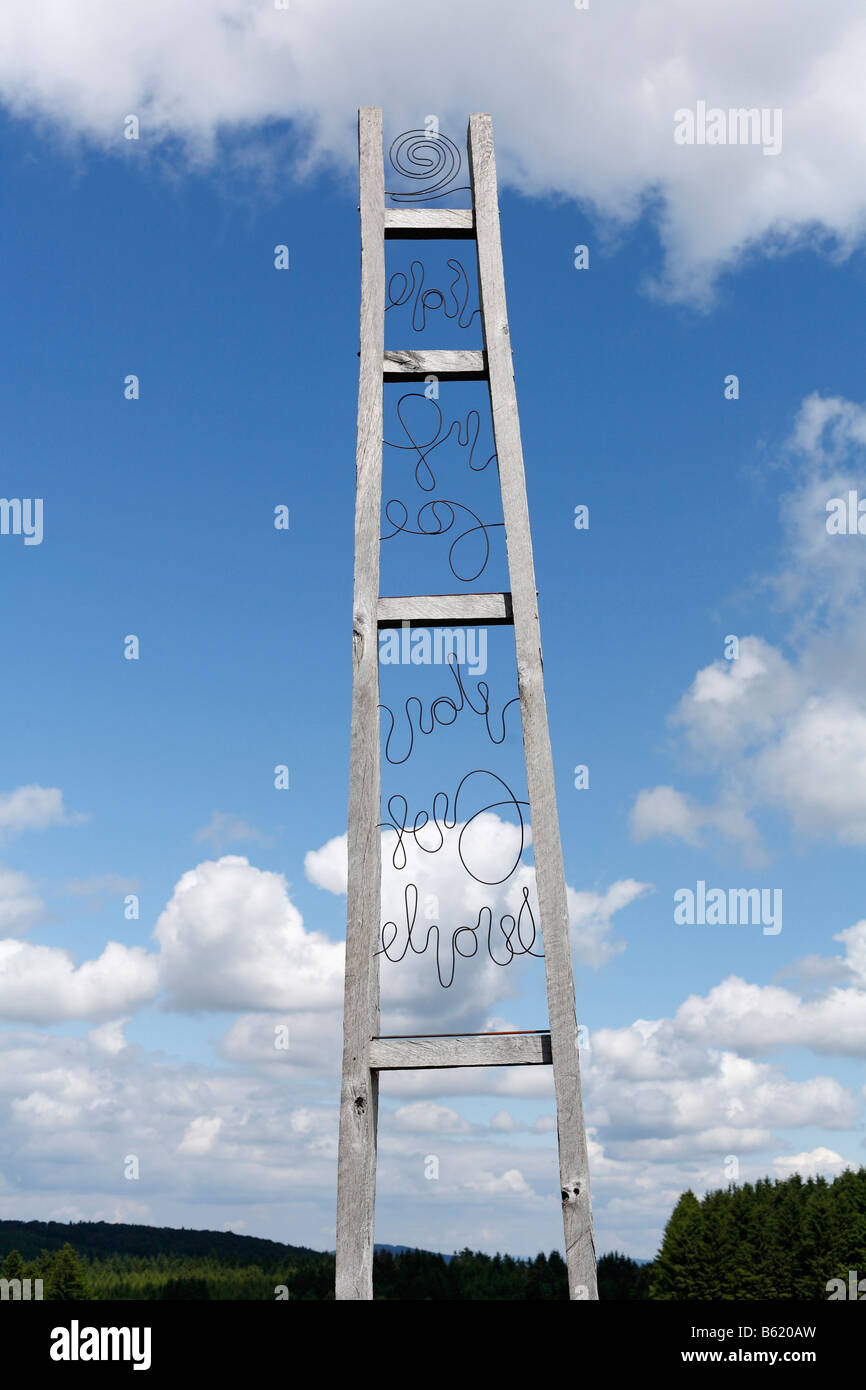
{"points": [[99, 1239], [135, 1261], [405, 1250], [108, 1261]]}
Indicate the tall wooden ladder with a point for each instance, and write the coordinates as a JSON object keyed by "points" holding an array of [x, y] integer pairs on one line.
{"points": [[365, 1053]]}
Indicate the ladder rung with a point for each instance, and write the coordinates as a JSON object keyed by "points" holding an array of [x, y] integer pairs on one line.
{"points": [[445, 610], [429, 224], [473, 1050], [402, 364]]}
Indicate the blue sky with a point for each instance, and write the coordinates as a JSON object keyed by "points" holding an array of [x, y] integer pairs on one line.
{"points": [[156, 257]]}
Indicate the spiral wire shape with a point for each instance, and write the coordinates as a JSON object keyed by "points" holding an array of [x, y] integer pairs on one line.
{"points": [[436, 160]]}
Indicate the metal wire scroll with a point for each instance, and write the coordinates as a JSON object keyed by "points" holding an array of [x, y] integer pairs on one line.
{"points": [[432, 164], [431, 159]]}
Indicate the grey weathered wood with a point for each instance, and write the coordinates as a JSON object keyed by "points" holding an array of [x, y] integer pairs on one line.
{"points": [[356, 1181], [474, 1050], [365, 1053], [404, 364], [445, 610], [550, 877], [429, 224]]}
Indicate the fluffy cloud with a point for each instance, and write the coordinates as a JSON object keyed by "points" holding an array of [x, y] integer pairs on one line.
{"points": [[584, 106], [109, 1037], [670, 1098], [749, 1019], [666, 812], [823, 575], [423, 1117], [817, 1162], [436, 895], [737, 1101], [20, 905], [591, 917], [231, 938], [779, 731], [304, 1045], [41, 984], [511, 1183], [734, 704], [812, 766], [760, 1018], [503, 1122], [328, 867], [816, 770], [200, 1135], [33, 808], [667, 1101], [449, 899], [212, 1136], [224, 829]]}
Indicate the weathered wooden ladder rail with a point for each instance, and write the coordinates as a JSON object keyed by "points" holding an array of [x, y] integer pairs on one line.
{"points": [[365, 1052]]}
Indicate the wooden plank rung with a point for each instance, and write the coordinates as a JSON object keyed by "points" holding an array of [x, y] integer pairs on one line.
{"points": [[468, 1050], [429, 224], [445, 610], [404, 364]]}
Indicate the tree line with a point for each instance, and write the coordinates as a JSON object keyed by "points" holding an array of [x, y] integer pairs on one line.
{"points": [[418, 1275], [782, 1239], [774, 1239]]}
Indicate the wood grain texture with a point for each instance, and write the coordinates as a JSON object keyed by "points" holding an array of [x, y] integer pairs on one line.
{"points": [[550, 878], [356, 1179], [496, 1050], [404, 364], [429, 224], [366, 1054], [445, 610]]}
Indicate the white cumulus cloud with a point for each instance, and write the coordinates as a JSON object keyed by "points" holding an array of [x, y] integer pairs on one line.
{"points": [[584, 101], [20, 904], [33, 808], [41, 984], [231, 938]]}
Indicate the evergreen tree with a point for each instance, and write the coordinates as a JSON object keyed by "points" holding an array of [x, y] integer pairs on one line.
{"points": [[621, 1278], [13, 1266], [186, 1288], [748, 1241], [65, 1276], [774, 1240], [679, 1271]]}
